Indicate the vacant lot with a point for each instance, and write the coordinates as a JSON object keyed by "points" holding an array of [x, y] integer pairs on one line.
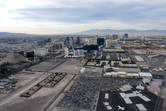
{"points": [[37, 101], [71, 66]]}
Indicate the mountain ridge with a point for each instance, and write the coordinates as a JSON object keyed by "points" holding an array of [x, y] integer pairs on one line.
{"points": [[91, 31]]}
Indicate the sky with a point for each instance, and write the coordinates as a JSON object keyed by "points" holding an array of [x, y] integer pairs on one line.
{"points": [[71, 16]]}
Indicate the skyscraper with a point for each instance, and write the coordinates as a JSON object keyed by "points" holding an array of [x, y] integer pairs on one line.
{"points": [[78, 41], [115, 37], [125, 35], [71, 41], [100, 41]]}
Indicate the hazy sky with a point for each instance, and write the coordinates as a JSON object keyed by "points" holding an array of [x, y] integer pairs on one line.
{"points": [[69, 16]]}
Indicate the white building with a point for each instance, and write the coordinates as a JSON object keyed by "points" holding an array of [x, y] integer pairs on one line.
{"points": [[71, 41], [66, 51], [139, 58], [147, 76], [74, 53], [41, 52], [83, 70], [79, 53]]}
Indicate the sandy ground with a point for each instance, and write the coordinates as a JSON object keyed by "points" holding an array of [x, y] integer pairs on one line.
{"points": [[69, 66], [24, 78], [154, 89], [158, 52], [12, 96], [43, 66], [37, 101], [2, 96], [27, 79]]}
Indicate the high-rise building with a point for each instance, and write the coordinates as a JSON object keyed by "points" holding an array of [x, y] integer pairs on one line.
{"points": [[125, 35], [48, 40], [100, 41], [115, 37], [107, 37], [79, 53], [66, 42], [71, 41], [108, 43], [58, 45], [67, 38], [66, 51], [78, 41]]}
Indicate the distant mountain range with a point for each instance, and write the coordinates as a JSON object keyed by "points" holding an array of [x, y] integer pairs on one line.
{"points": [[8, 34], [92, 32], [111, 31]]}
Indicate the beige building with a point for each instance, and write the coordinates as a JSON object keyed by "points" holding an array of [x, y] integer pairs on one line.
{"points": [[108, 43], [126, 69]]}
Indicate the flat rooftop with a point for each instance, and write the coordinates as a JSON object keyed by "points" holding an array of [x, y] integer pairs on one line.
{"points": [[148, 101]]}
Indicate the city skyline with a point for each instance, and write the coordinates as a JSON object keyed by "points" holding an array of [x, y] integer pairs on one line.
{"points": [[71, 16]]}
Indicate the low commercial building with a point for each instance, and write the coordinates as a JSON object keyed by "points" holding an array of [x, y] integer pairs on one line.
{"points": [[111, 74], [121, 74], [123, 65], [137, 45], [79, 53], [132, 75], [41, 52], [125, 58], [147, 76], [113, 50], [126, 69], [139, 58]]}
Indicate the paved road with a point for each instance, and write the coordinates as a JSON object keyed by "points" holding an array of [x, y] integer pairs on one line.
{"points": [[56, 96]]}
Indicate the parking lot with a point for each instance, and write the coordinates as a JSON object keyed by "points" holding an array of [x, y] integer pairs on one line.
{"points": [[84, 92], [115, 100]]}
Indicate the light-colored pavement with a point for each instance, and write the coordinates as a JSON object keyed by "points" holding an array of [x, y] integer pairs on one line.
{"points": [[23, 89], [33, 82]]}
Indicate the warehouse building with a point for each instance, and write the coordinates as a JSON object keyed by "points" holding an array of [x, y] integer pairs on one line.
{"points": [[146, 76]]}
